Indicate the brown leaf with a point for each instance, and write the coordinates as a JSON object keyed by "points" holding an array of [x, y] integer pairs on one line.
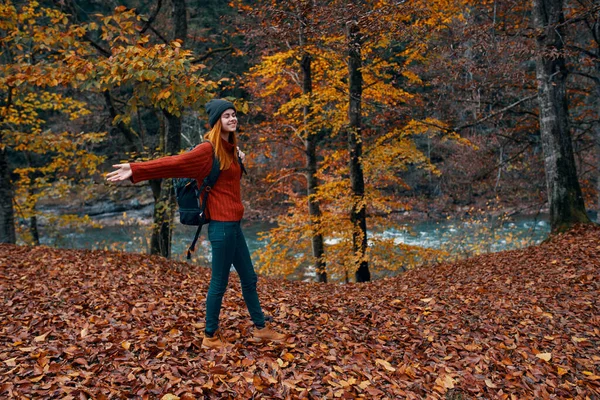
{"points": [[385, 364], [218, 370], [490, 384], [11, 362], [448, 382], [544, 356], [41, 338]]}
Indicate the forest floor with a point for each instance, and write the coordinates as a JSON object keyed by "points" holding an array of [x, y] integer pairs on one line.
{"points": [[91, 324]]}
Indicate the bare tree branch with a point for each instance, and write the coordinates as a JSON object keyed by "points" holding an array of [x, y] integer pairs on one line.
{"points": [[152, 17], [492, 115], [210, 53], [95, 45], [128, 133], [584, 51], [592, 77]]}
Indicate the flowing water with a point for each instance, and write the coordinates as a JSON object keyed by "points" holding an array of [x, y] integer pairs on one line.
{"points": [[432, 234]]}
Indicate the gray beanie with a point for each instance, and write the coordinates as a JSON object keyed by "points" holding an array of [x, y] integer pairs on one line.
{"points": [[215, 108]]}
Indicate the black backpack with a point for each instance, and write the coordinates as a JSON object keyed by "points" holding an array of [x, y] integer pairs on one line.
{"points": [[191, 209]]}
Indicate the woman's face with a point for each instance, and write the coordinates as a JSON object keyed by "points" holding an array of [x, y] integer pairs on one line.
{"points": [[229, 120]]}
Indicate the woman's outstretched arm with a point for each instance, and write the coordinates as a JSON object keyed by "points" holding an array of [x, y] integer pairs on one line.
{"points": [[191, 164]]}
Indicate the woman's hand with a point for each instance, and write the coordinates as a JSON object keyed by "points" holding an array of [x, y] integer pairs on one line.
{"points": [[122, 172], [241, 154]]}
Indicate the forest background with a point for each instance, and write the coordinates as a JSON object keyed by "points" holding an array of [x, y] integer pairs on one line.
{"points": [[354, 115]]}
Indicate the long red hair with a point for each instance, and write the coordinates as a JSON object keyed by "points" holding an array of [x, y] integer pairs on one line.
{"points": [[214, 136]]}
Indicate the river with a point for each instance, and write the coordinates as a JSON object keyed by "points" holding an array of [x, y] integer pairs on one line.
{"points": [[459, 235]]}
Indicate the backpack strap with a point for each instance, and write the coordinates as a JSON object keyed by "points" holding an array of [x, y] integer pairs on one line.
{"points": [[242, 166], [203, 191]]}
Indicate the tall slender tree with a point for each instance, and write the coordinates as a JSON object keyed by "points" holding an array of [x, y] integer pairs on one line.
{"points": [[584, 41], [311, 140], [294, 23], [162, 190], [358, 214], [7, 213]]}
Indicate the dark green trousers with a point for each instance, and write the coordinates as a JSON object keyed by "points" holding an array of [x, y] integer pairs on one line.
{"points": [[229, 248]]}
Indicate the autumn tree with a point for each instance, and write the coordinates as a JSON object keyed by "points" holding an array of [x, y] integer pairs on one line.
{"points": [[389, 86], [37, 50], [564, 193], [383, 43], [154, 75], [163, 190], [481, 82], [583, 32], [311, 142], [486, 85], [294, 24], [358, 214]]}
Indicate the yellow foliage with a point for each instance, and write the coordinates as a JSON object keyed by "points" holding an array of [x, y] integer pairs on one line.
{"points": [[389, 81], [35, 92]]}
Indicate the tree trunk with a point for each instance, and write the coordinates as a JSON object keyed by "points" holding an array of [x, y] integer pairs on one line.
{"points": [[597, 36], [33, 229], [598, 166], [164, 195], [358, 214], [33, 225], [598, 141], [160, 242], [310, 143], [564, 193], [7, 213], [180, 20]]}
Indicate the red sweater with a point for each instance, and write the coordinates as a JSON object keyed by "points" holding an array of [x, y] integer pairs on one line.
{"points": [[225, 199]]}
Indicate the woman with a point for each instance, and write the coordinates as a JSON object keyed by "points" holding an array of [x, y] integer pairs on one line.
{"points": [[224, 209]]}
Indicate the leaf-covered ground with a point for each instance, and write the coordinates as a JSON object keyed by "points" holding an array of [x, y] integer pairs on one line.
{"points": [[91, 324]]}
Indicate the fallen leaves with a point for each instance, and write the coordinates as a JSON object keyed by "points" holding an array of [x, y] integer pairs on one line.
{"points": [[82, 324]]}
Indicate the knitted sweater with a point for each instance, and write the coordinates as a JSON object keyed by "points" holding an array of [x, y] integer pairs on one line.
{"points": [[225, 199]]}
